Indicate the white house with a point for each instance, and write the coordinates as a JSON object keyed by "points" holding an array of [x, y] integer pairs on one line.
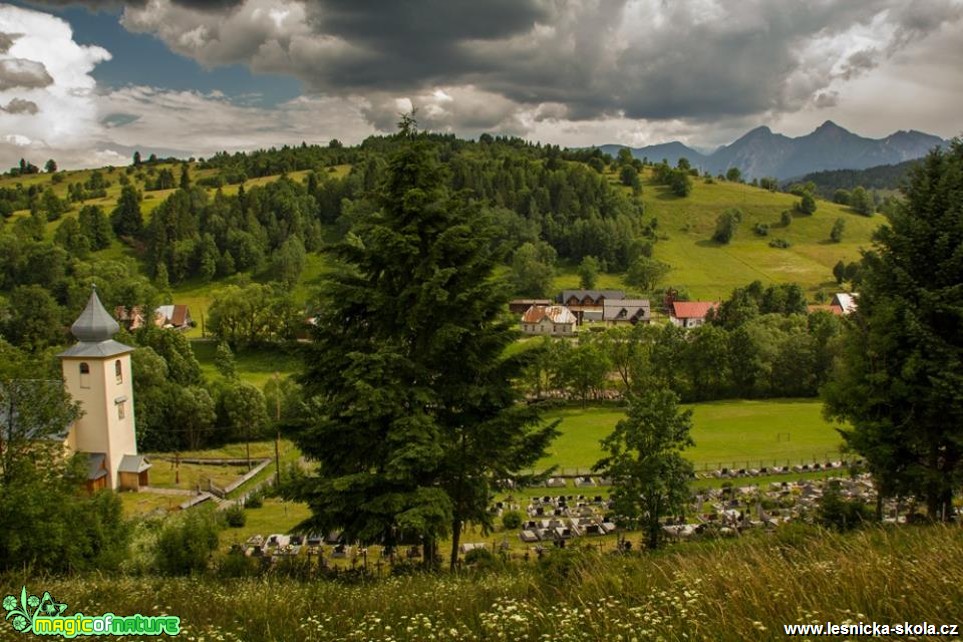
{"points": [[552, 320], [690, 314], [97, 374]]}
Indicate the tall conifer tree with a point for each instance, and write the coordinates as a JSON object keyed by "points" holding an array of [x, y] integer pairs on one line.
{"points": [[413, 412]]}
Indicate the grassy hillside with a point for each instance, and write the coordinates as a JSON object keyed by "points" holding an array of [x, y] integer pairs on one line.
{"points": [[708, 270]]}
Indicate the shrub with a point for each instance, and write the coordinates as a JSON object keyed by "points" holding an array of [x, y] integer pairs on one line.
{"points": [[779, 243], [786, 218], [837, 512], [836, 234], [254, 500], [807, 204], [511, 520], [184, 546], [762, 229], [236, 564], [481, 558], [235, 516], [726, 225]]}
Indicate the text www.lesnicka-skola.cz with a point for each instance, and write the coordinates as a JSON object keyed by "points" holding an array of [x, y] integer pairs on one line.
{"points": [[872, 628]]}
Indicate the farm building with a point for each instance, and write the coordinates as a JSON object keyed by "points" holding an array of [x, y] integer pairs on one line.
{"points": [[587, 305], [97, 374], [552, 320]]}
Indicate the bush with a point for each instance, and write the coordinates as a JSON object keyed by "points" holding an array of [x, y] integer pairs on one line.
{"points": [[254, 500], [762, 229], [480, 558], [237, 564], [184, 546], [726, 225], [780, 243], [839, 513], [235, 516], [511, 520], [786, 218]]}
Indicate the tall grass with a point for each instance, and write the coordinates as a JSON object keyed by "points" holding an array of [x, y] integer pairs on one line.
{"points": [[743, 589]]}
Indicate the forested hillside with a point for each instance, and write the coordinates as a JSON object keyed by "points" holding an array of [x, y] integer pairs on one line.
{"points": [[161, 230]]}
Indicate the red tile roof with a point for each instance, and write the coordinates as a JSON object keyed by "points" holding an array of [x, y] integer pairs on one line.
{"points": [[692, 309]]}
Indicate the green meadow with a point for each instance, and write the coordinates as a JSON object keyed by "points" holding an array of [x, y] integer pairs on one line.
{"points": [[731, 434]]}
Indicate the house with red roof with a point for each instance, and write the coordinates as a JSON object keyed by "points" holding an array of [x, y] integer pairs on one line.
{"points": [[690, 314], [551, 320]]}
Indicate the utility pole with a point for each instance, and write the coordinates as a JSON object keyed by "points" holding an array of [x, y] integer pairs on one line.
{"points": [[277, 437]]}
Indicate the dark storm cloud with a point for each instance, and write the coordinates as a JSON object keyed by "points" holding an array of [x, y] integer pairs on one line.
{"points": [[18, 72], [643, 59], [21, 106], [6, 41], [107, 5]]}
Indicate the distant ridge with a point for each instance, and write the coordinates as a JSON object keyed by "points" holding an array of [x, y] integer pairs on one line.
{"points": [[761, 152]]}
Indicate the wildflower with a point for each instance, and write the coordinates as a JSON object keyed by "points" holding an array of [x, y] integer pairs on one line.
{"points": [[20, 623], [33, 601]]}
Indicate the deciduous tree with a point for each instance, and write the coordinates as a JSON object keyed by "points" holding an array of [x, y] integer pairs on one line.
{"points": [[650, 477]]}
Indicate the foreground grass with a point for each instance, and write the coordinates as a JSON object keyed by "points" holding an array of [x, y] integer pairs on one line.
{"points": [[725, 590], [731, 434]]}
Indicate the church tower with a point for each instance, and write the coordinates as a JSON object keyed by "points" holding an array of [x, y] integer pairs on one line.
{"points": [[98, 375]]}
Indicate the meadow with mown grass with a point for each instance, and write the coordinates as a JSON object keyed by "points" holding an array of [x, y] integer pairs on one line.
{"points": [[742, 589], [727, 434]]}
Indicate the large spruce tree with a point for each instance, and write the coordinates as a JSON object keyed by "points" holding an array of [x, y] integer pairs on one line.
{"points": [[900, 381], [413, 415]]}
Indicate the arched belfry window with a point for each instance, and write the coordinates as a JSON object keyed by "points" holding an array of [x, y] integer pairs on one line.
{"points": [[118, 370], [84, 374]]}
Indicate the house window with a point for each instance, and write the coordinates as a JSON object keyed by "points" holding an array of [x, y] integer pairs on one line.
{"points": [[118, 371], [84, 375]]}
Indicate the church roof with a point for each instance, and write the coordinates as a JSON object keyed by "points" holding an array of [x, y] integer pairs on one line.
{"points": [[94, 324], [95, 329]]}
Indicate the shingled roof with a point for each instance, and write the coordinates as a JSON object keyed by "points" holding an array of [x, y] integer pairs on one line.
{"points": [[94, 324], [95, 329]]}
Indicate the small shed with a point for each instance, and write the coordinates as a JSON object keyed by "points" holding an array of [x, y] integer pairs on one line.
{"points": [[134, 472]]}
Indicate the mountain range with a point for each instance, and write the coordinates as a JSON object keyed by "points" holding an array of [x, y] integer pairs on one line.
{"points": [[761, 152]]}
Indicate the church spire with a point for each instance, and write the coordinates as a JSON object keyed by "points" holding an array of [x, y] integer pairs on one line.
{"points": [[94, 324]]}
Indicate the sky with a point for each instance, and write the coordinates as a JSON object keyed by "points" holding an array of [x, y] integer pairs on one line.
{"points": [[87, 82]]}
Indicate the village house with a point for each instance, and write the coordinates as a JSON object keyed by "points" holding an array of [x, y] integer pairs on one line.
{"points": [[626, 311], [690, 314], [552, 320], [175, 317], [519, 306], [97, 374], [846, 301], [587, 305]]}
